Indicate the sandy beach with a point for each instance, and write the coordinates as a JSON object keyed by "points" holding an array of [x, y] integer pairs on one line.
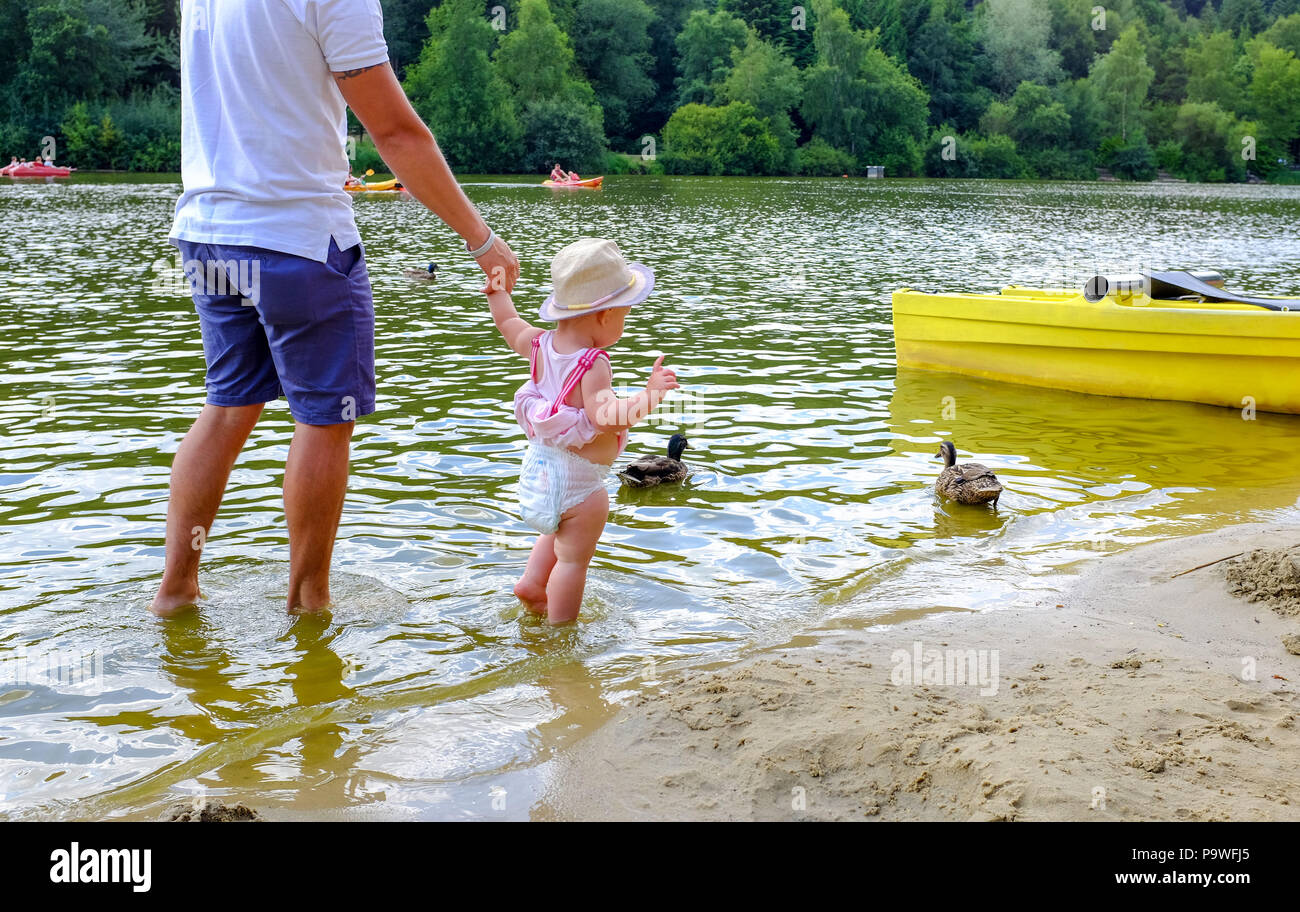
{"points": [[1141, 695]]}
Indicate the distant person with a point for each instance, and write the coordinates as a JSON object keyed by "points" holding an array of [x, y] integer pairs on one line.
{"points": [[576, 425], [558, 175], [265, 91]]}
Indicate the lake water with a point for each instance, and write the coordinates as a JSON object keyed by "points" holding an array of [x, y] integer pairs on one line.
{"points": [[427, 695]]}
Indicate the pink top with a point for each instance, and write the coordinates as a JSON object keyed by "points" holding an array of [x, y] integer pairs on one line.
{"points": [[541, 407]]}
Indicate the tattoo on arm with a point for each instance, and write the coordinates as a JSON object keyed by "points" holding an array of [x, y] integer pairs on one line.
{"points": [[348, 74]]}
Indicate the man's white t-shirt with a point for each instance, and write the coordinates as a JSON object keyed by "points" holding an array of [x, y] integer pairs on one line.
{"points": [[263, 124]]}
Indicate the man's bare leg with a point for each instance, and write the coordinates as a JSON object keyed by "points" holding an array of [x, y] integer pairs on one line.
{"points": [[200, 471], [315, 482]]}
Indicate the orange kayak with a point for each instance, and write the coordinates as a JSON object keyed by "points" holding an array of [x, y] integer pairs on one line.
{"points": [[591, 183]]}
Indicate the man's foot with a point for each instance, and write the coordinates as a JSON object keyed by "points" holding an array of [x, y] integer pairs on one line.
{"points": [[319, 611], [532, 595], [172, 603]]}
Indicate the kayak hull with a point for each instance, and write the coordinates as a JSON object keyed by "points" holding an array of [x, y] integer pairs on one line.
{"points": [[376, 187], [1132, 346], [590, 183], [41, 171]]}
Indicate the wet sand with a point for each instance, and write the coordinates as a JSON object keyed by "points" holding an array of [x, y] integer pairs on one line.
{"points": [[1137, 697]]}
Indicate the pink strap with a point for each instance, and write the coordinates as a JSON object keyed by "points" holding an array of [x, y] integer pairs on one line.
{"points": [[575, 376], [532, 356]]}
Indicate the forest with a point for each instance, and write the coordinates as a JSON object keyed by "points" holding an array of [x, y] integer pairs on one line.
{"points": [[1204, 90]]}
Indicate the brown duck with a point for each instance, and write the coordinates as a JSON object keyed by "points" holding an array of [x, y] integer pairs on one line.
{"points": [[969, 483], [652, 470]]}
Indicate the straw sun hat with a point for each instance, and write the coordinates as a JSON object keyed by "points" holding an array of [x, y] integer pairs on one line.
{"points": [[591, 275]]}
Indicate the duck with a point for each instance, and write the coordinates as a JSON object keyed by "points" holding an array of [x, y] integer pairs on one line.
{"points": [[969, 483], [428, 274], [649, 471]]}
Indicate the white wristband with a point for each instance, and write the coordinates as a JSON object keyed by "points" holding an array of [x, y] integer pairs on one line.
{"points": [[487, 245]]}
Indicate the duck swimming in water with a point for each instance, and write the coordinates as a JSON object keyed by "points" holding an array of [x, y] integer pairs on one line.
{"points": [[429, 274], [649, 471], [969, 483]]}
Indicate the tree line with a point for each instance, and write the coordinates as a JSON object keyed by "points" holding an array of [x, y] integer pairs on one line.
{"points": [[1203, 89]]}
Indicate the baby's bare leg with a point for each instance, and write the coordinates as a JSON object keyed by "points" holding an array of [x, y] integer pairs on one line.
{"points": [[531, 587], [575, 544]]}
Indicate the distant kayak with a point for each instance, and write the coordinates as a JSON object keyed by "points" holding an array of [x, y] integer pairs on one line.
{"points": [[591, 183], [376, 187], [30, 170]]}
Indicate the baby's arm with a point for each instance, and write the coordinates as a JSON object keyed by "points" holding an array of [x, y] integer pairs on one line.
{"points": [[517, 331], [610, 413]]}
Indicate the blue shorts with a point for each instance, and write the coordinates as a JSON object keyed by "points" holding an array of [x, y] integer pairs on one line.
{"points": [[277, 324]]}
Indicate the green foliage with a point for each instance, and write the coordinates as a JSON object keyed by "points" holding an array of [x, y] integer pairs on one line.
{"points": [[1016, 36], [704, 50], [973, 155], [536, 59], [1122, 79], [81, 49], [1275, 92], [1169, 156], [1129, 159], [455, 88], [367, 158], [92, 142], [1211, 139], [774, 22], [1242, 16], [818, 158], [1031, 117], [1061, 164], [612, 42], [994, 157], [556, 131], [945, 57], [762, 75], [622, 163], [1284, 33], [858, 98], [1212, 74], [405, 30], [1038, 88], [1072, 34], [732, 139]]}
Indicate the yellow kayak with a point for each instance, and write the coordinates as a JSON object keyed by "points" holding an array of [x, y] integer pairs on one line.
{"points": [[1124, 342], [376, 187]]}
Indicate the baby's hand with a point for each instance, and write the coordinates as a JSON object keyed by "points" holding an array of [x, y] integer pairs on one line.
{"points": [[661, 379]]}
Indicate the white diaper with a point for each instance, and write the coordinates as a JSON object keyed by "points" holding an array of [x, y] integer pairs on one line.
{"points": [[554, 481]]}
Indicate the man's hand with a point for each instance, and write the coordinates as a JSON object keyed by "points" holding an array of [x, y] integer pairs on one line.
{"points": [[501, 267]]}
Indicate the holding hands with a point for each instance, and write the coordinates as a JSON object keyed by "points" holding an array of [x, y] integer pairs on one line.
{"points": [[499, 264]]}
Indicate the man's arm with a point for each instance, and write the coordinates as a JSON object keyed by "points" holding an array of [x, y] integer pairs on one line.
{"points": [[408, 147]]}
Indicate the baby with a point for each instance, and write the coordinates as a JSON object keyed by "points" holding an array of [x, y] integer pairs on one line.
{"points": [[576, 425]]}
